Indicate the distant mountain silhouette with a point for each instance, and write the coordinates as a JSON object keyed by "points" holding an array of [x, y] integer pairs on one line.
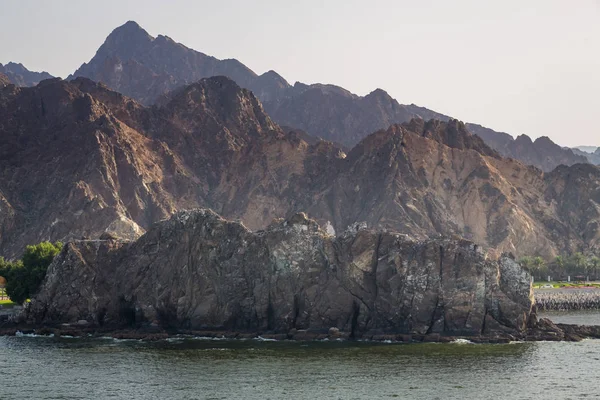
{"points": [[152, 69], [592, 156], [18, 75], [146, 68]]}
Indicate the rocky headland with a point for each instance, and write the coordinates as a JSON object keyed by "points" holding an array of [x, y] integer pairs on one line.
{"points": [[198, 273]]}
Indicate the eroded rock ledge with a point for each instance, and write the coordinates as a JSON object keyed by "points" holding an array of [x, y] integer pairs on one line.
{"points": [[200, 272]]}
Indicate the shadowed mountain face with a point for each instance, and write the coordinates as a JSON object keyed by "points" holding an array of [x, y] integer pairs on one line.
{"points": [[77, 159], [543, 152], [148, 69], [593, 155], [18, 75]]}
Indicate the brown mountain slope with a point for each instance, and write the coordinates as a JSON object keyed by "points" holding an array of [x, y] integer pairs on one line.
{"points": [[401, 180], [70, 168], [79, 159]]}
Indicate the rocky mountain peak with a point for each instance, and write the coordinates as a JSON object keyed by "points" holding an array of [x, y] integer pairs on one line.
{"points": [[544, 140], [452, 133], [18, 75], [523, 139], [275, 76], [125, 37], [16, 67], [270, 87], [146, 68], [222, 99], [379, 95]]}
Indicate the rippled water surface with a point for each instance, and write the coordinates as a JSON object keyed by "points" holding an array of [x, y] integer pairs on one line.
{"points": [[573, 317], [62, 368]]}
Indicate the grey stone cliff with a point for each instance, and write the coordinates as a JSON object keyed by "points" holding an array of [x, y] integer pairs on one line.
{"points": [[200, 271]]}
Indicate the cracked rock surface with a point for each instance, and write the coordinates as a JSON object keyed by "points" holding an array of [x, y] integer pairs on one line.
{"points": [[200, 271]]}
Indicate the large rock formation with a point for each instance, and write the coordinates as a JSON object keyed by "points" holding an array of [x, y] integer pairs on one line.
{"points": [[199, 271], [18, 75]]}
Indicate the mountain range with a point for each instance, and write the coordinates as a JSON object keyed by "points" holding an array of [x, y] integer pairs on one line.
{"points": [[18, 75], [593, 156], [78, 159], [141, 132], [148, 69]]}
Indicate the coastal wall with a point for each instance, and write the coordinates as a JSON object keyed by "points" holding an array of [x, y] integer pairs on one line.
{"points": [[567, 299], [200, 271]]}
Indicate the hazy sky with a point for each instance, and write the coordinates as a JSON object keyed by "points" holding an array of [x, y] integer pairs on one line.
{"points": [[516, 66]]}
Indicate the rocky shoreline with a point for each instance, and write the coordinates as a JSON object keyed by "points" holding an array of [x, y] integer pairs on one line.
{"points": [[541, 330]]}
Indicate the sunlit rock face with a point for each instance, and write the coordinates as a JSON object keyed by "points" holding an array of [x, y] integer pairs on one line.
{"points": [[78, 160]]}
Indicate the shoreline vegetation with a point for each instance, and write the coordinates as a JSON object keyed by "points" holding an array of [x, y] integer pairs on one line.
{"points": [[577, 267]]}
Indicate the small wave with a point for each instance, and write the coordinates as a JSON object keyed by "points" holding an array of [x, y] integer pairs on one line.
{"points": [[217, 349], [21, 334], [262, 339], [209, 338], [461, 341]]}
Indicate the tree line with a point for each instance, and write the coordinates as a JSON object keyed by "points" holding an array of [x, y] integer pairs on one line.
{"points": [[24, 276], [577, 264]]}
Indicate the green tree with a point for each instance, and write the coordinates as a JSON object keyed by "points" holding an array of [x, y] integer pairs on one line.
{"points": [[538, 264], [559, 265], [579, 262], [528, 264], [595, 264], [25, 277]]}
